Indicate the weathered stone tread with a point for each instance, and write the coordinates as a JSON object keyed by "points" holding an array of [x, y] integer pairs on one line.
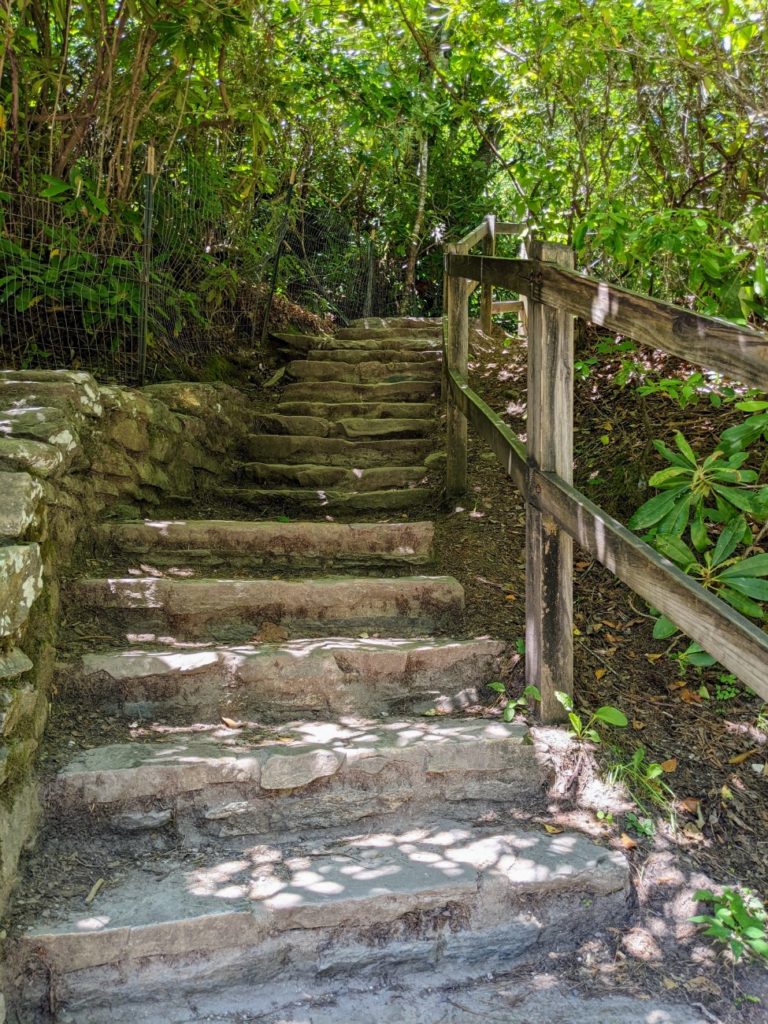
{"points": [[362, 373], [339, 391], [359, 480], [281, 543], [332, 411], [299, 500], [331, 675], [194, 605], [341, 451]]}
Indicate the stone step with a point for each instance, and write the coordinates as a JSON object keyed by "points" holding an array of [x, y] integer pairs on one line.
{"points": [[338, 451], [383, 355], [267, 682], [289, 916], [424, 331], [402, 341], [376, 478], [311, 774], [362, 373], [295, 544], [196, 607], [336, 391], [406, 323], [357, 426], [333, 411], [304, 502]]}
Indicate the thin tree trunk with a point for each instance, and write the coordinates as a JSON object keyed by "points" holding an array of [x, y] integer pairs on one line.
{"points": [[409, 290]]}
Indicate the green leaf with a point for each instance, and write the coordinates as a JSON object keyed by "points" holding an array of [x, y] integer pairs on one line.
{"points": [[699, 534], [654, 510], [728, 540], [758, 589], [532, 693], [670, 473], [564, 699], [663, 628], [670, 456], [687, 452], [509, 711], [755, 566], [746, 501], [497, 687], [675, 550], [611, 716], [741, 603]]}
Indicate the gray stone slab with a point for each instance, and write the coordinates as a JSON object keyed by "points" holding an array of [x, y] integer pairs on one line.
{"points": [[40, 423], [194, 605], [21, 583], [339, 451], [406, 760], [14, 663], [35, 457], [20, 504], [362, 373], [298, 500], [335, 391], [373, 478], [340, 675], [294, 543]]}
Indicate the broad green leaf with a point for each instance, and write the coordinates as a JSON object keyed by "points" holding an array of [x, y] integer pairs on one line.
{"points": [[655, 509], [674, 549], [611, 716], [671, 473], [728, 540], [670, 456], [699, 535], [497, 687], [754, 566], [758, 589], [663, 628], [686, 450], [742, 604]]}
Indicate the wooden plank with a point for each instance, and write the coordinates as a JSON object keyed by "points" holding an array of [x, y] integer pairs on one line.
{"points": [[505, 444], [474, 236], [736, 642], [549, 550], [506, 227], [738, 352], [456, 356], [507, 306], [486, 296]]}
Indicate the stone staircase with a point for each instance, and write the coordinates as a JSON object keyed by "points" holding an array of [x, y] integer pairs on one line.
{"points": [[262, 815], [355, 427]]}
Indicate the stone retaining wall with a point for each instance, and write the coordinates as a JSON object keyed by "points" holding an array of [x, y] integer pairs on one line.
{"points": [[72, 453]]}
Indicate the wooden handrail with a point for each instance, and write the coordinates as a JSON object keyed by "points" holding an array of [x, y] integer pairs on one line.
{"points": [[739, 352], [730, 637], [556, 512]]}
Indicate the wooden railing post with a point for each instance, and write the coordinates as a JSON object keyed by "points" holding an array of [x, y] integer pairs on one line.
{"points": [[549, 551], [456, 337], [486, 295]]}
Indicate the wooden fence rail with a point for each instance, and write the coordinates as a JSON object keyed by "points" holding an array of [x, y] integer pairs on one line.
{"points": [[556, 512]]}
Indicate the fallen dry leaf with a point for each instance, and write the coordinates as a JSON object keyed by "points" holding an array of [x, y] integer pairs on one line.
{"points": [[741, 758], [230, 723], [669, 765], [600, 672], [637, 725], [627, 841], [553, 830], [690, 804]]}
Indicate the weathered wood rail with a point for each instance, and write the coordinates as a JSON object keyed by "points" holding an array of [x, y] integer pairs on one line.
{"points": [[557, 514]]}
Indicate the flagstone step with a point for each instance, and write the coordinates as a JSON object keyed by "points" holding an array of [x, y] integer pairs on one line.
{"points": [[310, 774], [367, 355], [397, 341], [362, 373], [389, 332], [338, 451], [307, 475], [195, 607], [299, 544], [407, 323], [338, 391], [345, 909], [332, 411], [267, 682], [298, 501]]}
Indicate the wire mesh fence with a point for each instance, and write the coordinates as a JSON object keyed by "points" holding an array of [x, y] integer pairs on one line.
{"points": [[182, 272]]}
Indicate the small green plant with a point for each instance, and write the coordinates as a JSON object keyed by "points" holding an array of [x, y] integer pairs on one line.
{"points": [[586, 730], [726, 687], [683, 392], [640, 826], [605, 816], [512, 705], [761, 722], [645, 781], [739, 921]]}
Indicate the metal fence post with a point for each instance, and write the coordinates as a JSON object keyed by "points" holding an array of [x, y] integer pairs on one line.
{"points": [[276, 264]]}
